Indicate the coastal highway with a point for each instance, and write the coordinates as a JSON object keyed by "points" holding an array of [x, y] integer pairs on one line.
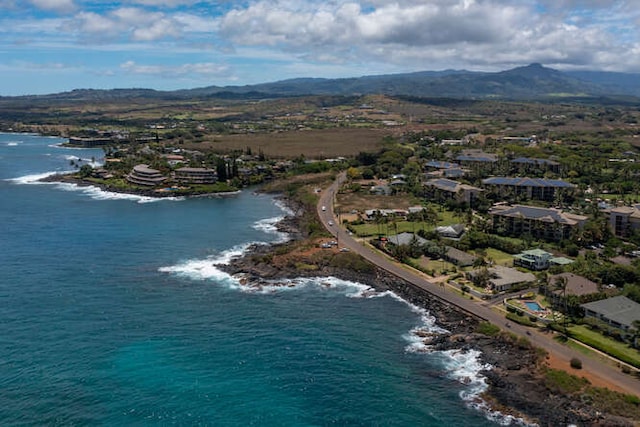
{"points": [[606, 372]]}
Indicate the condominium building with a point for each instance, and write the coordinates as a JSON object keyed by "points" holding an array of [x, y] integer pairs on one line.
{"points": [[144, 175]]}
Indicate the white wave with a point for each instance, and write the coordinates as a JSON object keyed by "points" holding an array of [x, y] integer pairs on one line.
{"points": [[269, 226], [34, 178], [466, 366], [419, 337], [12, 143], [94, 192], [203, 269], [283, 206], [78, 159], [65, 147], [207, 269], [93, 162]]}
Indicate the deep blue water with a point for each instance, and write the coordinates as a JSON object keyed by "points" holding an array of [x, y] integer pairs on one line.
{"points": [[112, 313]]}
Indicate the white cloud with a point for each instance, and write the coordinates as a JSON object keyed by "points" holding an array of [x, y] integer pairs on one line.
{"points": [[133, 23], [209, 69], [439, 33], [61, 6]]}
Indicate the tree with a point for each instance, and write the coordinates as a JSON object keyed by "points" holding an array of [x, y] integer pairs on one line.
{"points": [[221, 169], [85, 171], [636, 333], [561, 282]]}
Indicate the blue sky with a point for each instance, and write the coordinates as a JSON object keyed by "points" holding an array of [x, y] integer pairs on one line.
{"points": [[50, 46]]}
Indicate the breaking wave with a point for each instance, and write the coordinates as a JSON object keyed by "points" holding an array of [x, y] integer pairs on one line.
{"points": [[270, 226], [94, 192]]}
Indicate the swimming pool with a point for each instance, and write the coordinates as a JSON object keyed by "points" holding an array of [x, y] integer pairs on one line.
{"points": [[533, 306]]}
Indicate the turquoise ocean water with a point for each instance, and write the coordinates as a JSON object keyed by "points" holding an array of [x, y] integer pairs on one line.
{"points": [[112, 312]]}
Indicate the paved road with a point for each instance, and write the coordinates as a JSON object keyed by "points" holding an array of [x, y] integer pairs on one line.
{"points": [[540, 339]]}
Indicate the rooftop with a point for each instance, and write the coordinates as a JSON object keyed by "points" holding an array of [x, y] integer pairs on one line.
{"points": [[549, 215], [619, 309], [576, 285], [442, 165], [450, 185], [527, 182], [534, 161]]}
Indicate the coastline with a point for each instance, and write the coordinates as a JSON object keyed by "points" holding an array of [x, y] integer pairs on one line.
{"points": [[517, 392], [516, 388], [69, 178]]}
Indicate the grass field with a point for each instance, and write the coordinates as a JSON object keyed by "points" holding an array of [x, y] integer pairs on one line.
{"points": [[312, 144], [607, 345], [362, 200], [372, 229], [499, 257]]}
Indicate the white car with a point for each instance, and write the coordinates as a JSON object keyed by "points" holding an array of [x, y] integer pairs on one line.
{"points": [[330, 222], [324, 208]]}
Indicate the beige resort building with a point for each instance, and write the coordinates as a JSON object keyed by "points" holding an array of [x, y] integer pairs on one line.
{"points": [[144, 175]]}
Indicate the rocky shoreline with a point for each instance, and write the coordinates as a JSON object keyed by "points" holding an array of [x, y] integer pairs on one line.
{"points": [[70, 178], [516, 383], [516, 386]]}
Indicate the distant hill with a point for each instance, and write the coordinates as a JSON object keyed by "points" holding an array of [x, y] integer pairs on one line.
{"points": [[532, 82]]}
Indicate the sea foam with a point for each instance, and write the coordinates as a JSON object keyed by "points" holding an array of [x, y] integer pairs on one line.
{"points": [[208, 268], [464, 366], [94, 192], [269, 226]]}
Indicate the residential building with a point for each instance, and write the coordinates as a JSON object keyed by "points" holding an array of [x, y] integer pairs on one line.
{"points": [[442, 188], [541, 223], [196, 175], [381, 190], [174, 159], [574, 285], [144, 175], [406, 239], [450, 254], [619, 312], [501, 278], [473, 156], [534, 259], [530, 164], [371, 214], [623, 220], [531, 188], [454, 231], [434, 164], [439, 169]]}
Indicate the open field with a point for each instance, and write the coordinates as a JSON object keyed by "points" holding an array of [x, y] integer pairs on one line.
{"points": [[313, 144], [362, 201]]}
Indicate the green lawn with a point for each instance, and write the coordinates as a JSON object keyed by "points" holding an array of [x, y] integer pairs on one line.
{"points": [[607, 345], [438, 266], [499, 257], [448, 218], [371, 229]]}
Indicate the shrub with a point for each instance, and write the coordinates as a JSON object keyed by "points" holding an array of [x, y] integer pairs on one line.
{"points": [[576, 363]]}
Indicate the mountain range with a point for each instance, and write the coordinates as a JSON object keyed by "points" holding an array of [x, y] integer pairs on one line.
{"points": [[531, 82]]}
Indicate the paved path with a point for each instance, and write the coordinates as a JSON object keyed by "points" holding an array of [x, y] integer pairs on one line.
{"points": [[539, 339]]}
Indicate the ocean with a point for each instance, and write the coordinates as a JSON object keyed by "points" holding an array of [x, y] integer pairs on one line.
{"points": [[113, 312]]}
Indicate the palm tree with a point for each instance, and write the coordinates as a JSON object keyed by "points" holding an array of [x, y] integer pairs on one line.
{"points": [[561, 282], [636, 333]]}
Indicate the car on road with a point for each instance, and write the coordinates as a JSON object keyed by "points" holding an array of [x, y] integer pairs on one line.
{"points": [[330, 223], [324, 208]]}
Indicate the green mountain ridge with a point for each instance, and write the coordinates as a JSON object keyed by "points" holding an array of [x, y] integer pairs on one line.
{"points": [[531, 82]]}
